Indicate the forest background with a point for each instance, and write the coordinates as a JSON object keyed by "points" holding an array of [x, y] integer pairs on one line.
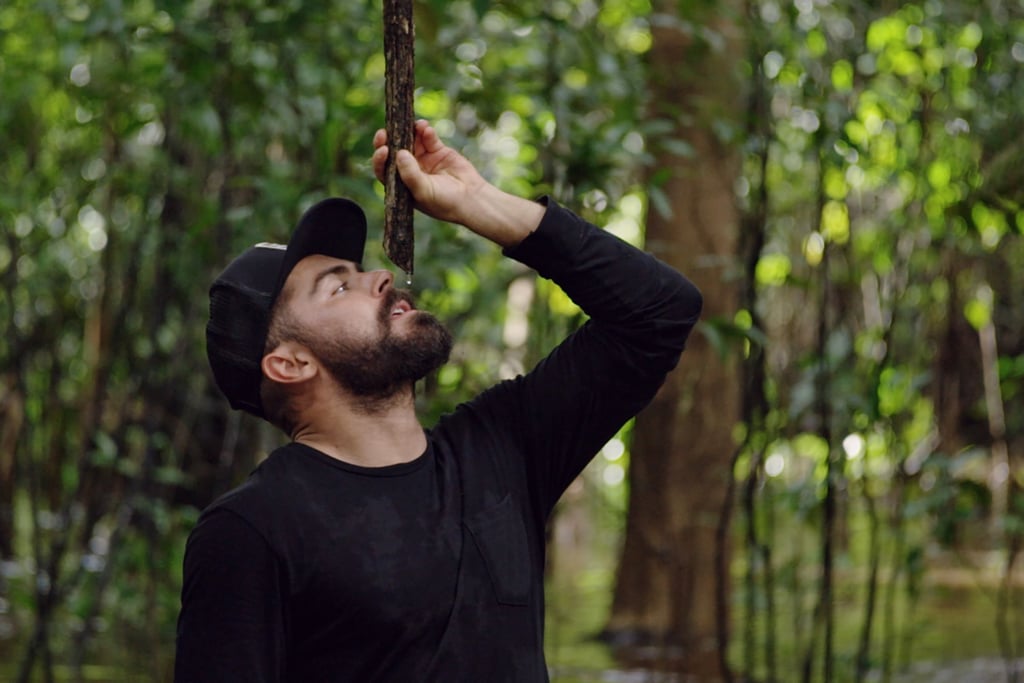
{"points": [[829, 486]]}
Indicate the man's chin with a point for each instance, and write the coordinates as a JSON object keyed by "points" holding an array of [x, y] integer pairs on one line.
{"points": [[419, 317], [411, 347], [417, 322]]}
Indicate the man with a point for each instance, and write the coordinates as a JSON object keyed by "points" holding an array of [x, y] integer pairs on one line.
{"points": [[370, 549]]}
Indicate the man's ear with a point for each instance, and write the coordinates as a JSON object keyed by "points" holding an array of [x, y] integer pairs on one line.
{"points": [[289, 363]]}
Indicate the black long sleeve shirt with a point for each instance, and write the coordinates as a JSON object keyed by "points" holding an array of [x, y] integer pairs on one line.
{"points": [[315, 570]]}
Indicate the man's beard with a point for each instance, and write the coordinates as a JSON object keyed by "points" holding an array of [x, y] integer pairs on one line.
{"points": [[379, 369]]}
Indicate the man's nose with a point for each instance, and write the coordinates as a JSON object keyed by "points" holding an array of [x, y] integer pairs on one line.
{"points": [[380, 281]]}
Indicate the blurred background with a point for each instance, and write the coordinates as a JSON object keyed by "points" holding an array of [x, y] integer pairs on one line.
{"points": [[829, 487]]}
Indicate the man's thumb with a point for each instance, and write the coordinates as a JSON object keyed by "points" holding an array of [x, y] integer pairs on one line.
{"points": [[409, 170]]}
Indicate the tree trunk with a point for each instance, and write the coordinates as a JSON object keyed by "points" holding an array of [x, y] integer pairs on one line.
{"points": [[665, 594], [12, 419]]}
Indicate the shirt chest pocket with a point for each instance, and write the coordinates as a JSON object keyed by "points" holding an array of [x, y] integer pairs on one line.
{"points": [[500, 536]]}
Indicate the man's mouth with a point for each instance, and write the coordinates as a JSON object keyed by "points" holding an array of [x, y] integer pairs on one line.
{"points": [[399, 305], [400, 309]]}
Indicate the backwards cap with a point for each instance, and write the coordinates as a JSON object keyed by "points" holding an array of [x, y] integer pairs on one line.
{"points": [[243, 296]]}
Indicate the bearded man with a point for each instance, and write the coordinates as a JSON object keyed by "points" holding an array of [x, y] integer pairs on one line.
{"points": [[370, 549]]}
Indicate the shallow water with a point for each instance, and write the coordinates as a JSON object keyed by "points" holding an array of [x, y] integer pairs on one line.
{"points": [[982, 670]]}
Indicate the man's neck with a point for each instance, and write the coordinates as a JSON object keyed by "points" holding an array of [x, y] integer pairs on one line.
{"points": [[388, 433]]}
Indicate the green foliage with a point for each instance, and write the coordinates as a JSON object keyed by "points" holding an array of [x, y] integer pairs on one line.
{"points": [[883, 154]]}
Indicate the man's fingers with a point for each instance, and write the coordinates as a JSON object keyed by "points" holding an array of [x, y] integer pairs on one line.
{"points": [[431, 140], [380, 158], [380, 137], [427, 140], [408, 168], [412, 175]]}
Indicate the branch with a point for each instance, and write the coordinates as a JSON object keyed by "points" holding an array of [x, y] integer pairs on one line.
{"points": [[399, 37]]}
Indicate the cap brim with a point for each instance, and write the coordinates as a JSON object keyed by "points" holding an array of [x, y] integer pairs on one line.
{"points": [[334, 227]]}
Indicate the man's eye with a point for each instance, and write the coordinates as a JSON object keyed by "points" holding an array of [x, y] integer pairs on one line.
{"points": [[341, 288]]}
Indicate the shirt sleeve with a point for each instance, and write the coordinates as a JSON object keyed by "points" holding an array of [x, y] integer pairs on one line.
{"points": [[231, 624], [641, 313]]}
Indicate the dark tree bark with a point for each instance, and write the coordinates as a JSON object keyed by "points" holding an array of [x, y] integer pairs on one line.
{"points": [[399, 36], [667, 587]]}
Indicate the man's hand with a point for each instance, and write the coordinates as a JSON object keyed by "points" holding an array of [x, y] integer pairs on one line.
{"points": [[446, 186], [440, 179]]}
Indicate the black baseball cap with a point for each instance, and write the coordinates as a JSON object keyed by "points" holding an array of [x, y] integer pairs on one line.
{"points": [[243, 296]]}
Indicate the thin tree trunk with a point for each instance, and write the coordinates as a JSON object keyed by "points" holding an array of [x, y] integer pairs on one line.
{"points": [[750, 579], [823, 612], [828, 533], [796, 592], [1005, 607], [754, 401], [863, 657], [722, 571], [45, 564], [767, 561], [897, 526], [12, 421]]}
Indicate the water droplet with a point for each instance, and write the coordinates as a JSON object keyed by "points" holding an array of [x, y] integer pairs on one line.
{"points": [[408, 279]]}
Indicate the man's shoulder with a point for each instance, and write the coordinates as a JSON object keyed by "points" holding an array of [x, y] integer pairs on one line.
{"points": [[266, 488]]}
